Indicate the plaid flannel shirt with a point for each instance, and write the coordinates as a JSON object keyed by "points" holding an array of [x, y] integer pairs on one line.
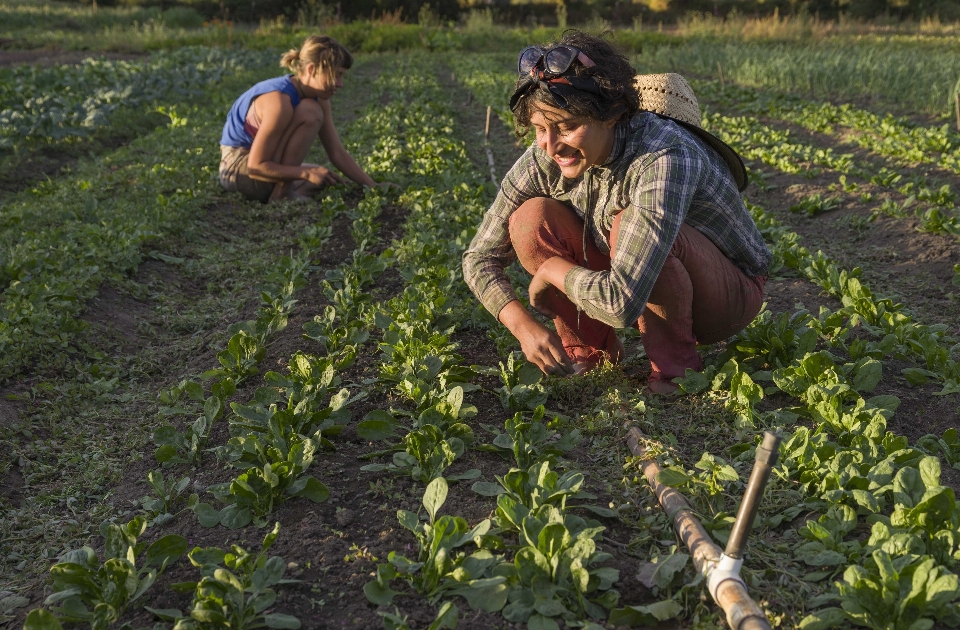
{"points": [[660, 176]]}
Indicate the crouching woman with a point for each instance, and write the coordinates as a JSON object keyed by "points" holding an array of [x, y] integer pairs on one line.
{"points": [[271, 127], [623, 217]]}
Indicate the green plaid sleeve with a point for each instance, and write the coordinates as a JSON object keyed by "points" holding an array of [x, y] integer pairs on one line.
{"points": [[661, 192], [491, 252]]}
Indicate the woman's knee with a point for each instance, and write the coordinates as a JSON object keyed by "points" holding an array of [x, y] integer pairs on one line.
{"points": [[532, 214]]}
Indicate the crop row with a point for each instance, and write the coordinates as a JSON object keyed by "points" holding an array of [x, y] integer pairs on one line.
{"points": [[60, 240], [850, 469], [935, 208], [97, 592], [888, 135], [43, 105]]}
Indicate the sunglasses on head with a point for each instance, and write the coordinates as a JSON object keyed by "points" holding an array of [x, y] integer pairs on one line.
{"points": [[555, 61]]}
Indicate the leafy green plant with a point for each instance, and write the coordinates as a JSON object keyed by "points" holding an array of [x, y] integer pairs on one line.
{"points": [[521, 389], [948, 446], [239, 359], [234, 591], [816, 204], [174, 447], [772, 342], [555, 574], [447, 415], [86, 590], [826, 546], [333, 338], [426, 455], [530, 441], [440, 571], [275, 465], [523, 492], [907, 593], [447, 617], [166, 494]]}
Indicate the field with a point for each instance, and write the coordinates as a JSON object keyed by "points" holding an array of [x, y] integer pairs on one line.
{"points": [[302, 404]]}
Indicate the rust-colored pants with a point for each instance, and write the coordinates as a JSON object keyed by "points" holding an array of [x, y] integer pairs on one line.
{"points": [[699, 296]]}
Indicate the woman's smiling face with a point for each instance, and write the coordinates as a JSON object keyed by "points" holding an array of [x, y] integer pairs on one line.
{"points": [[574, 142]]}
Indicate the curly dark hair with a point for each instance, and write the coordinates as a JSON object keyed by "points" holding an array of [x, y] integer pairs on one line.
{"points": [[613, 73]]}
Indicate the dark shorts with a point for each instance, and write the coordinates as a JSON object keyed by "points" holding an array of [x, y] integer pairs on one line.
{"points": [[235, 175]]}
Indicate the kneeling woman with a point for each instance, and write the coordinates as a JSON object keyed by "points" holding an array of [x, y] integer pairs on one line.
{"points": [[623, 217], [272, 126]]}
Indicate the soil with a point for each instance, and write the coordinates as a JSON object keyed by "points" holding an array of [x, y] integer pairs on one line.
{"points": [[897, 260]]}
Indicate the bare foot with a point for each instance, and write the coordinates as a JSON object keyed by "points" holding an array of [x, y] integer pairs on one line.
{"points": [[662, 387]]}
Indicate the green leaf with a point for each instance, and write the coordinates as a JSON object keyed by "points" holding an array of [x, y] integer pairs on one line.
{"points": [[539, 622], [312, 490], [868, 376], [930, 471], [672, 477], [660, 574], [916, 376], [824, 619], [208, 515], [271, 537], [529, 374], [281, 622], [40, 619], [165, 453], [166, 550], [467, 475], [379, 595], [649, 615], [447, 617], [693, 382], [434, 496], [378, 425], [166, 614], [235, 517], [487, 488]]}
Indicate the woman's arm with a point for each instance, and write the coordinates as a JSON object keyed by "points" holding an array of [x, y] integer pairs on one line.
{"points": [[275, 114], [338, 155]]}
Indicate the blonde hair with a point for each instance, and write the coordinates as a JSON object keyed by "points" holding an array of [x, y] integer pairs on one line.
{"points": [[325, 52]]}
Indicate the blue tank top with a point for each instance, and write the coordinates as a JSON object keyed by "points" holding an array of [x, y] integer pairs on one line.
{"points": [[234, 132]]}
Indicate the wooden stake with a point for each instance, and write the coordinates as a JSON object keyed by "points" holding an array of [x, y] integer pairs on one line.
{"points": [[956, 100], [486, 127], [720, 70]]}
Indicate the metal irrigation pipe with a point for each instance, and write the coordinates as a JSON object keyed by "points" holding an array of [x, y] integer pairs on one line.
{"points": [[721, 570]]}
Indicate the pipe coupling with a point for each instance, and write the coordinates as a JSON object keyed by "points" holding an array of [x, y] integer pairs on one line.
{"points": [[726, 568]]}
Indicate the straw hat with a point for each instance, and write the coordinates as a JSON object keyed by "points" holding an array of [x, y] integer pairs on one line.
{"points": [[670, 96]]}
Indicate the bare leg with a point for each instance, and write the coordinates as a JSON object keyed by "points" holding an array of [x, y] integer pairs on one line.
{"points": [[295, 143]]}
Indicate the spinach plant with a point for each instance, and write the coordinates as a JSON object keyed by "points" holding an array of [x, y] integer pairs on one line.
{"points": [[554, 572], [174, 447], [324, 330], [88, 590], [234, 590], [530, 441], [440, 571], [166, 494]]}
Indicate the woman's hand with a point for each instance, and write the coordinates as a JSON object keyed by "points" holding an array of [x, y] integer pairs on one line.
{"points": [[540, 345], [322, 176]]}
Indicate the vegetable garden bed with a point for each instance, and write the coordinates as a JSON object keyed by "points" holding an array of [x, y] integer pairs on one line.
{"points": [[356, 394]]}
